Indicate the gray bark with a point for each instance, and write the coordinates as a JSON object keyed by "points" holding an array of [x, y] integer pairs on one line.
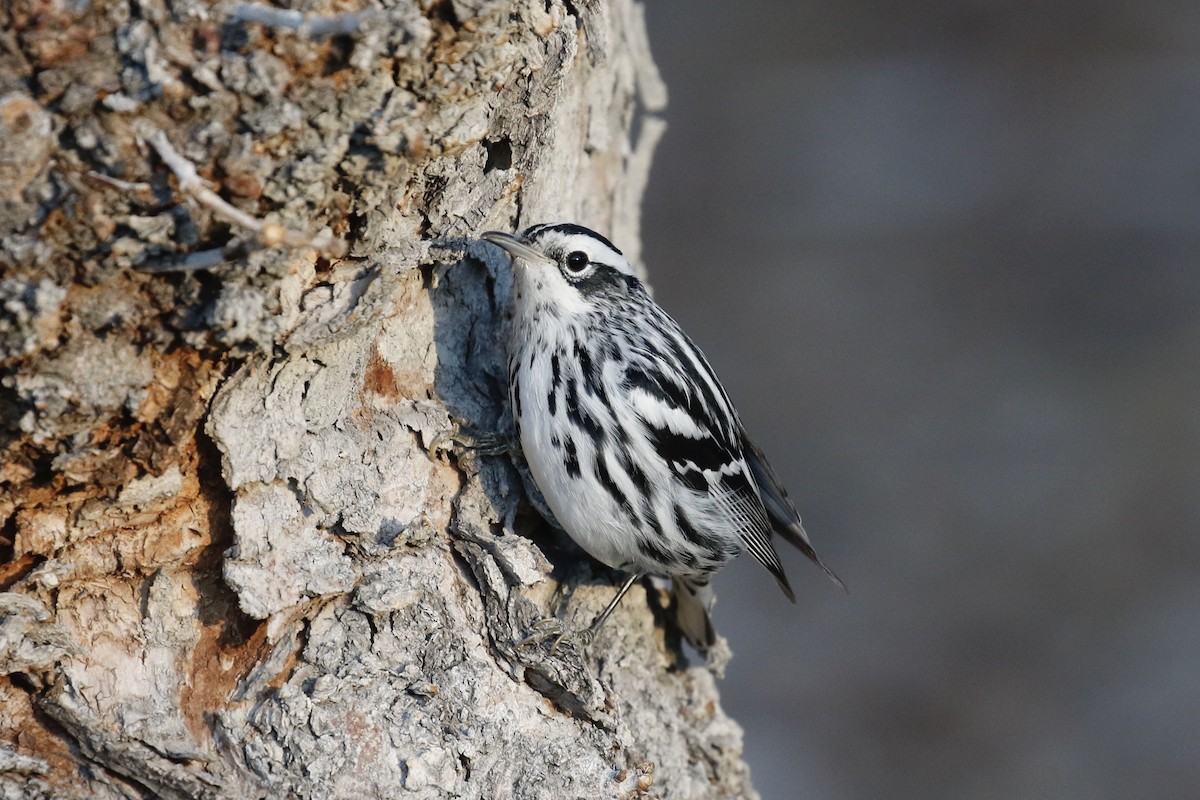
{"points": [[239, 558]]}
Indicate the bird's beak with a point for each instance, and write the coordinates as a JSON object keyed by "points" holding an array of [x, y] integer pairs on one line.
{"points": [[515, 247]]}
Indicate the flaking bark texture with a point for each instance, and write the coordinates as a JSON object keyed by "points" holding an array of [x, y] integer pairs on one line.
{"points": [[241, 557]]}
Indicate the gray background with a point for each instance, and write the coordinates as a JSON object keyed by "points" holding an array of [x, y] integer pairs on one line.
{"points": [[944, 256]]}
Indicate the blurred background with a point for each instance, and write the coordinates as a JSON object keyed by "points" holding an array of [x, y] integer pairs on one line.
{"points": [[945, 257]]}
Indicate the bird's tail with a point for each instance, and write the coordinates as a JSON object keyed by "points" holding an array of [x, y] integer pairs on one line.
{"points": [[785, 520], [693, 599]]}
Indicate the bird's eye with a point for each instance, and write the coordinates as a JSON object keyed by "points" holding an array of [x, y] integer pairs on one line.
{"points": [[577, 261]]}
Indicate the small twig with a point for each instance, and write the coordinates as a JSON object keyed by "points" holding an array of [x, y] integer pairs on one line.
{"points": [[310, 26], [202, 259], [270, 234], [192, 262], [117, 183]]}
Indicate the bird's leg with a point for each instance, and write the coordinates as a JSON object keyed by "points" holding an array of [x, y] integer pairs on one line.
{"points": [[552, 627], [594, 628]]}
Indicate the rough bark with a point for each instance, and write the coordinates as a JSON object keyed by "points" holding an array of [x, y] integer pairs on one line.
{"points": [[238, 560]]}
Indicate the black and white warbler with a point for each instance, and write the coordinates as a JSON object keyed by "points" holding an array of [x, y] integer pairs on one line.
{"points": [[629, 436]]}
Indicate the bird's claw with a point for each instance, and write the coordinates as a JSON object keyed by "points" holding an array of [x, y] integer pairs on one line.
{"points": [[553, 628], [462, 437]]}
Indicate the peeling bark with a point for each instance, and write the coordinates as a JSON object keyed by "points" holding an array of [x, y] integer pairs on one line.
{"points": [[237, 559]]}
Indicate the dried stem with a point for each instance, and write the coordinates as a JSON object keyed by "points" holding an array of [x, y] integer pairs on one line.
{"points": [[117, 183], [310, 26], [269, 234]]}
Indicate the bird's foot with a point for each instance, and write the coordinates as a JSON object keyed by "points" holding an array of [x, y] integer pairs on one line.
{"points": [[463, 437], [553, 630]]}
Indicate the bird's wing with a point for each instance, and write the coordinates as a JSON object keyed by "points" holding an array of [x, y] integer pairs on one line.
{"points": [[735, 495], [691, 425]]}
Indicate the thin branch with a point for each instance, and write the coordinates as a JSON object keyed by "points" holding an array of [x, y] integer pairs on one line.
{"points": [[201, 259], [310, 26], [270, 234], [117, 183]]}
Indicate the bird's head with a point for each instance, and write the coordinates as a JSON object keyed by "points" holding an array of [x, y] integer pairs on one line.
{"points": [[563, 265]]}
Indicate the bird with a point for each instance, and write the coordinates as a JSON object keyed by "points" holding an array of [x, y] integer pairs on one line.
{"points": [[629, 436]]}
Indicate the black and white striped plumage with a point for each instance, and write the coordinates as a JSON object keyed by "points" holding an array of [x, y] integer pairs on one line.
{"points": [[629, 436]]}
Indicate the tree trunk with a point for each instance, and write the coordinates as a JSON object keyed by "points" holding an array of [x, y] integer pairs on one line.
{"points": [[242, 310]]}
